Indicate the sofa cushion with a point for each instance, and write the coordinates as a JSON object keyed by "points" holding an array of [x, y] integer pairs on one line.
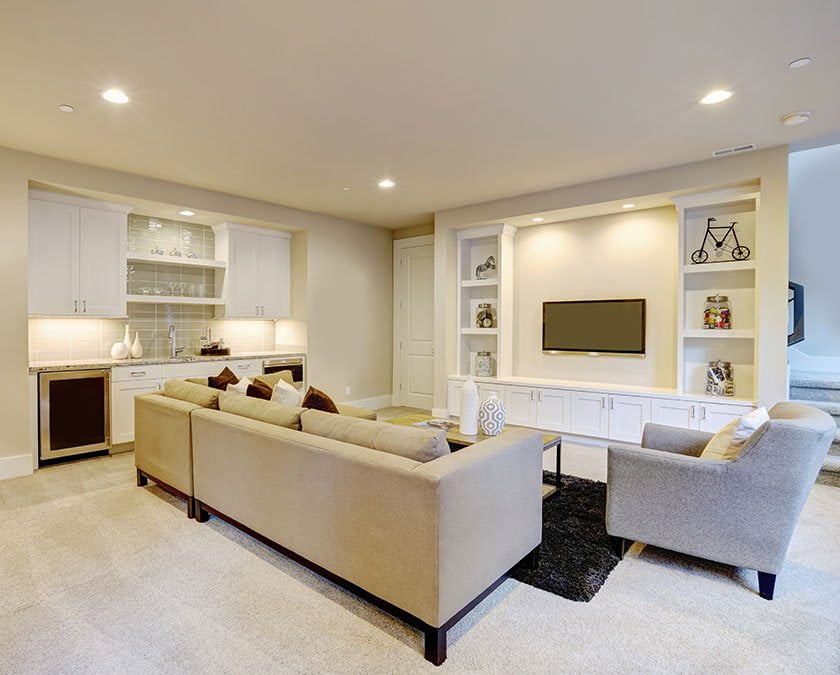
{"points": [[197, 380], [257, 409], [421, 445], [206, 397], [729, 441], [223, 379], [318, 400]]}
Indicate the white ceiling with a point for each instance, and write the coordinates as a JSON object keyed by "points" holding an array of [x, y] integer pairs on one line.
{"points": [[460, 101]]}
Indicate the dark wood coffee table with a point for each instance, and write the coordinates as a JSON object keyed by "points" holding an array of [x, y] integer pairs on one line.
{"points": [[457, 440]]}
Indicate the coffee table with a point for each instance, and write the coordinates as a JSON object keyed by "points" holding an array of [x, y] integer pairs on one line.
{"points": [[457, 441]]}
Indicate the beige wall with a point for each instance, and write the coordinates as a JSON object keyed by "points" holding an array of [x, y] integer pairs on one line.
{"points": [[770, 167], [416, 231], [347, 307], [555, 262]]}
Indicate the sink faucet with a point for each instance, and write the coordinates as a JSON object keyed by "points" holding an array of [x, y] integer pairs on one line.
{"points": [[174, 351]]}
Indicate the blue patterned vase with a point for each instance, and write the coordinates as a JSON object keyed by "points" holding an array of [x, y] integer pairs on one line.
{"points": [[491, 415]]}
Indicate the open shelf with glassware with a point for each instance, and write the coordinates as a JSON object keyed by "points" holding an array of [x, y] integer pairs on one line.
{"points": [[173, 300], [717, 293], [175, 260]]}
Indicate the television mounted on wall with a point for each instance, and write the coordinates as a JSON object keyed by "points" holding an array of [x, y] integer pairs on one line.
{"points": [[594, 326]]}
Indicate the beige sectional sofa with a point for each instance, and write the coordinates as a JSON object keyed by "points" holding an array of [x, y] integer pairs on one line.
{"points": [[387, 512]]}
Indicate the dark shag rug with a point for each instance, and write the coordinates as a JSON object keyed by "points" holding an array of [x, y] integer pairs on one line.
{"points": [[576, 559]]}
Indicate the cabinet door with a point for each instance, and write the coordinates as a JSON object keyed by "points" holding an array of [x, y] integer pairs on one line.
{"points": [[521, 404], [484, 389], [453, 397], [553, 409], [628, 416], [714, 416], [102, 254], [589, 414], [53, 259], [122, 407], [274, 279], [243, 272], [674, 413]]}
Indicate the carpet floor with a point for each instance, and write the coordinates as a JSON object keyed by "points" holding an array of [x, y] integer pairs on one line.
{"points": [[97, 575], [575, 560]]}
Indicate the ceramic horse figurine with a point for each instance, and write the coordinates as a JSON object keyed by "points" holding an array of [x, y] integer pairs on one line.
{"points": [[482, 269]]}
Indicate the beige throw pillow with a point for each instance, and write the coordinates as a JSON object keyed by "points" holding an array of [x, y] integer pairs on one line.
{"points": [[729, 441]]}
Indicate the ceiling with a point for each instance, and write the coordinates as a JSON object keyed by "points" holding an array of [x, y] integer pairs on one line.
{"points": [[458, 101]]}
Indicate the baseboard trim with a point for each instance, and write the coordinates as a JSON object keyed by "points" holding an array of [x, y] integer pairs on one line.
{"points": [[15, 466], [372, 403]]}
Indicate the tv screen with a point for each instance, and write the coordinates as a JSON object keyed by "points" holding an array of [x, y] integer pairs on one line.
{"points": [[610, 326]]}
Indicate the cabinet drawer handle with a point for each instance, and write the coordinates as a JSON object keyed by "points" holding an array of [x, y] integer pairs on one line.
{"points": [[612, 403], [137, 373], [257, 310], [702, 412], [76, 306], [243, 366], [603, 402], [691, 412], [84, 305]]}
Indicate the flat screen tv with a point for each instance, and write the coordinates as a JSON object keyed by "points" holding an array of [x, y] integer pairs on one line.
{"points": [[606, 326]]}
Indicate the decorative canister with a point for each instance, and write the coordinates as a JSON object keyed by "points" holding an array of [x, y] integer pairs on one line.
{"points": [[720, 379], [491, 415], [469, 408], [717, 312], [485, 366], [485, 316]]}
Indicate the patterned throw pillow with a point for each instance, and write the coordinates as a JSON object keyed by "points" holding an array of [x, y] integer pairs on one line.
{"points": [[318, 400], [222, 380], [258, 389]]}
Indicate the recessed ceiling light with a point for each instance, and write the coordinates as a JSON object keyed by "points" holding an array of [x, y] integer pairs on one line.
{"points": [[346, 188], [386, 183], [538, 219], [799, 63], [795, 118], [715, 96], [186, 212], [66, 108], [115, 96], [627, 206]]}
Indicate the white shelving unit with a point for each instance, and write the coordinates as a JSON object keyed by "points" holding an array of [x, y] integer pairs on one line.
{"points": [[174, 300], [722, 275], [475, 246], [176, 260]]}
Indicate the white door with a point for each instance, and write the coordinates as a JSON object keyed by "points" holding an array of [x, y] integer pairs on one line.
{"points": [[715, 416], [53, 259], [674, 413], [521, 404], [628, 416], [122, 407], [243, 275], [553, 409], [590, 416], [275, 277], [102, 252], [453, 397], [416, 323]]}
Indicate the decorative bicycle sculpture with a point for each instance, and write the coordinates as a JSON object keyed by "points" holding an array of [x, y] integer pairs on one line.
{"points": [[721, 243]]}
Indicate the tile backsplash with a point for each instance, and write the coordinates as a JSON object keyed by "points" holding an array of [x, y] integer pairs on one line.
{"points": [[147, 234], [78, 338]]}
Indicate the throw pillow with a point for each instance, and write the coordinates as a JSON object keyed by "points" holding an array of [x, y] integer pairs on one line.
{"points": [[240, 387], [223, 379], [729, 441], [285, 393], [318, 400], [273, 378], [258, 389]]}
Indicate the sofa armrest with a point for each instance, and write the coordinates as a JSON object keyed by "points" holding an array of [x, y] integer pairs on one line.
{"points": [[489, 513], [163, 441], [675, 439]]}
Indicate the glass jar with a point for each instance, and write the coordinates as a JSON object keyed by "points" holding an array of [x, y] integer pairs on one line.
{"points": [[717, 313], [485, 316], [720, 379], [485, 366]]}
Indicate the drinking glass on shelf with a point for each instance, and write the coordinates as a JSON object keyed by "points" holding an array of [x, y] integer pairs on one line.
{"points": [[199, 291]]}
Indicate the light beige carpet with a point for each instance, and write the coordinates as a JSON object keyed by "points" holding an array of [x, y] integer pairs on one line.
{"points": [[97, 575]]}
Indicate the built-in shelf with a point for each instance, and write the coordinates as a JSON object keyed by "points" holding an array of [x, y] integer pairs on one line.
{"points": [[471, 283], [719, 334], [173, 300], [733, 266], [479, 331], [176, 260]]}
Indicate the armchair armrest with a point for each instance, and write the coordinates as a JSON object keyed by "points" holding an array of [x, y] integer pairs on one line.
{"points": [[675, 440]]}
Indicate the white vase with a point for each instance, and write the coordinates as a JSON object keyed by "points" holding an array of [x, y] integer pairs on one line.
{"points": [[469, 408], [127, 340], [491, 415], [136, 349], [119, 351]]}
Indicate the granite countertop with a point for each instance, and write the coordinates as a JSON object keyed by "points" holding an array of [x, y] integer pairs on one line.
{"points": [[84, 364]]}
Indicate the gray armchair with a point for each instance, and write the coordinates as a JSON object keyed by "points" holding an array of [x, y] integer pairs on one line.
{"points": [[740, 512]]}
